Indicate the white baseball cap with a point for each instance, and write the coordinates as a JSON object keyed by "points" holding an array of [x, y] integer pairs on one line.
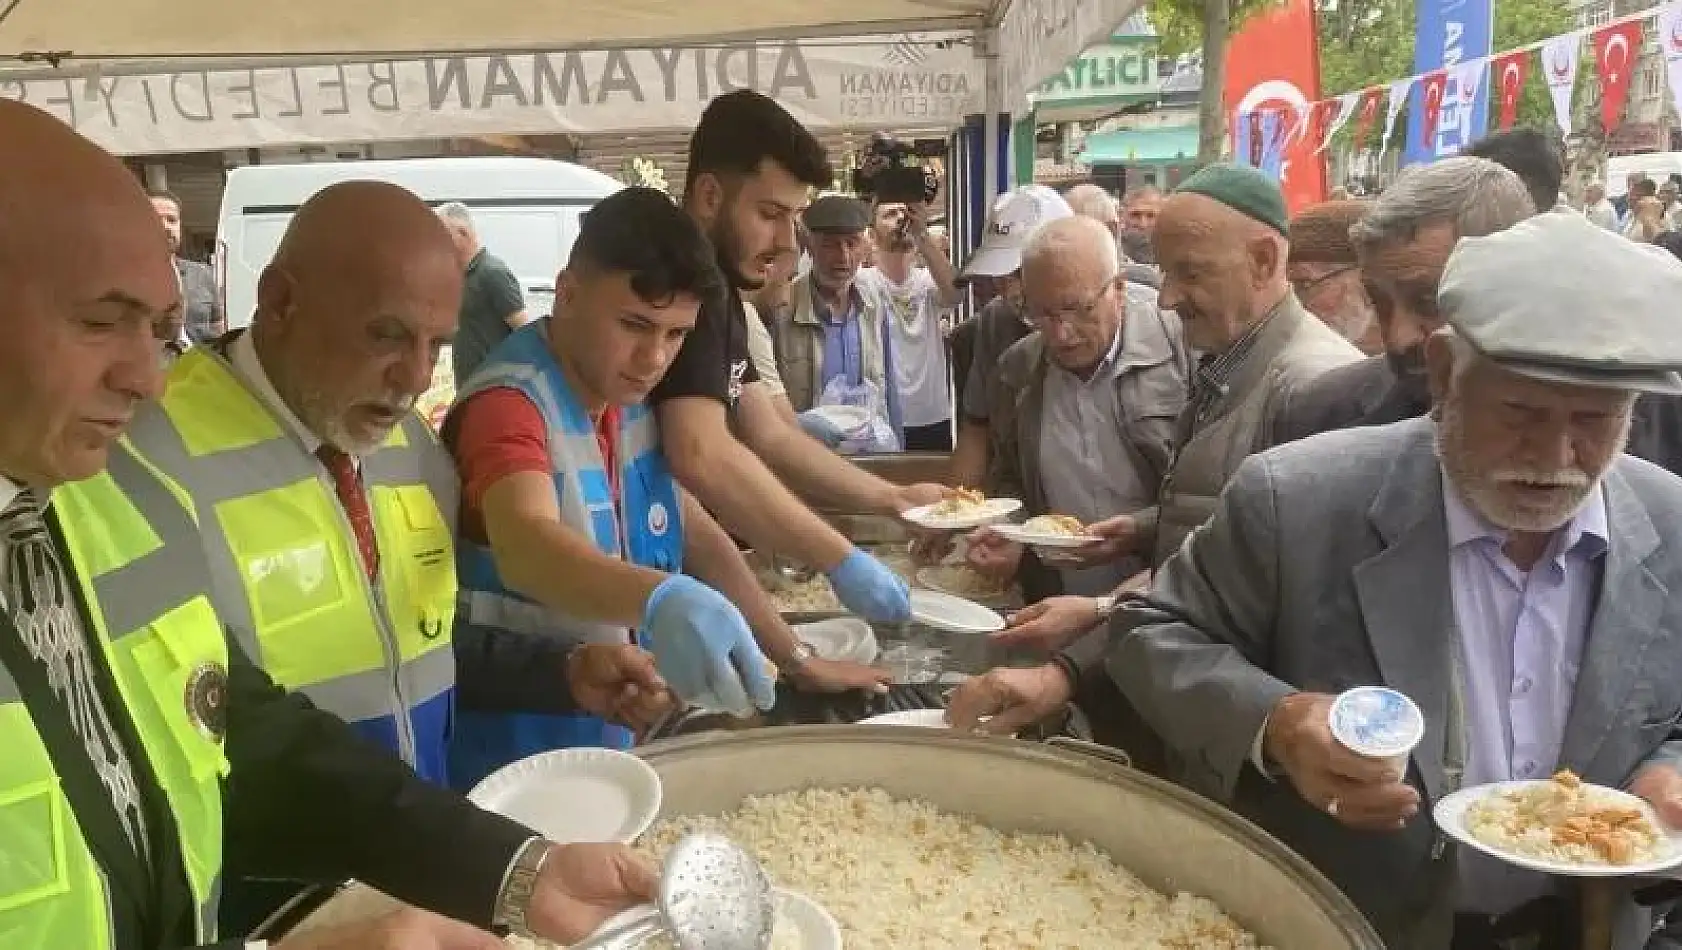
{"points": [[1016, 215]]}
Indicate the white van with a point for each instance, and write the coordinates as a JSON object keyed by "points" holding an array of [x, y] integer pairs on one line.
{"points": [[1657, 165], [526, 211]]}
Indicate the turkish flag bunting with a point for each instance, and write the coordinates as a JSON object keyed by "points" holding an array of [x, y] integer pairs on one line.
{"points": [[1366, 114], [1615, 52], [1321, 119], [1510, 70], [1431, 100]]}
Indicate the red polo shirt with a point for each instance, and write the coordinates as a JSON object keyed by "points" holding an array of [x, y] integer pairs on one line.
{"points": [[499, 432]]}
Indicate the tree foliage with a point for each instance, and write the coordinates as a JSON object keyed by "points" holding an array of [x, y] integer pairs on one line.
{"points": [[1371, 42]]}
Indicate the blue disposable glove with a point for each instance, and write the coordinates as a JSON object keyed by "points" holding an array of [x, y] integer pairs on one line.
{"points": [[704, 650], [866, 587], [820, 428]]}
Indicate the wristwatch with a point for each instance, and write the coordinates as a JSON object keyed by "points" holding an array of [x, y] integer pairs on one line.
{"points": [[803, 652], [1106, 606], [519, 884]]}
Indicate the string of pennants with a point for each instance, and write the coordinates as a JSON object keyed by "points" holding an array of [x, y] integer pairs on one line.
{"points": [[1616, 47]]}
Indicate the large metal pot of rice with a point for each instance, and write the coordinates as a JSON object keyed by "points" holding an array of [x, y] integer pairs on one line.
{"points": [[1168, 838], [1172, 840]]}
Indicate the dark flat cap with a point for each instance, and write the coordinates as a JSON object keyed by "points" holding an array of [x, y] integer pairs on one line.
{"points": [[837, 214], [1243, 189], [1320, 233], [1560, 299]]}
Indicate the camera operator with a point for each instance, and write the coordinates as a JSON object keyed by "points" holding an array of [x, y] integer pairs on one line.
{"points": [[914, 296]]}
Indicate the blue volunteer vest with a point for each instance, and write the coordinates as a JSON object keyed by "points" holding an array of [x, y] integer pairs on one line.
{"points": [[644, 529]]}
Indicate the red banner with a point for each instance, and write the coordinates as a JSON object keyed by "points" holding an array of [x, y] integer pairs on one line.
{"points": [[1615, 52], [1431, 103], [1509, 71], [1273, 64], [1366, 114]]}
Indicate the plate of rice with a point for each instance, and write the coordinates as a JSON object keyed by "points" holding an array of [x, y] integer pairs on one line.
{"points": [[964, 508], [1048, 531], [1562, 825]]}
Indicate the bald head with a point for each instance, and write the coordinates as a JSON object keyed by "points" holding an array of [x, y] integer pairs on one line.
{"points": [[1072, 290], [1091, 201], [363, 292], [1222, 270], [88, 286]]}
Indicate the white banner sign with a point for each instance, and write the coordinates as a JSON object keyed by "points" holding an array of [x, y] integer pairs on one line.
{"points": [[1038, 39], [871, 83]]}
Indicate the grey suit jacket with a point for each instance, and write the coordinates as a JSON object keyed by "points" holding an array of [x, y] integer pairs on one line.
{"points": [[1324, 567], [1366, 393]]}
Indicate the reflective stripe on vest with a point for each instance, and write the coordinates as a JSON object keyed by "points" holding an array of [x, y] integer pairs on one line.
{"points": [[286, 575], [141, 574], [643, 528]]}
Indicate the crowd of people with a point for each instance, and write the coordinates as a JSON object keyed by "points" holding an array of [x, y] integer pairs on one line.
{"points": [[259, 619]]}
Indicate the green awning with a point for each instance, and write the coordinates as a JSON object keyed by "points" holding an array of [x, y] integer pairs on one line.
{"points": [[1173, 143]]}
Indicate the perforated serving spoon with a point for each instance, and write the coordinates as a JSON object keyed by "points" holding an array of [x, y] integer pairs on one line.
{"points": [[713, 896]]}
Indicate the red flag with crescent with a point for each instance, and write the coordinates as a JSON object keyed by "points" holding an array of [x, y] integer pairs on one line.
{"points": [[1431, 99], [1510, 70], [1366, 114], [1615, 52]]}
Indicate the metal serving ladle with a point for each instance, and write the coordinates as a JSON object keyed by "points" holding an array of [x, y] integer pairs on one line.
{"points": [[713, 896]]}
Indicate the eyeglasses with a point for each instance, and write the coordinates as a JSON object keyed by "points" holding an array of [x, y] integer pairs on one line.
{"points": [[1079, 315], [1303, 285]]}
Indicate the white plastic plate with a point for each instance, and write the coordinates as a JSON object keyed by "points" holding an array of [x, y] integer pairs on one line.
{"points": [[575, 795], [919, 718], [953, 614], [843, 638], [988, 512], [1450, 815], [1021, 535]]}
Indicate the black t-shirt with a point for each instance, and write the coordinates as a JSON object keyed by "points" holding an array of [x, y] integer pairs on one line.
{"points": [[713, 361]]}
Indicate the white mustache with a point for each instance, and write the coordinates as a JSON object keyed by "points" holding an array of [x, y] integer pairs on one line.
{"points": [[1562, 478]]}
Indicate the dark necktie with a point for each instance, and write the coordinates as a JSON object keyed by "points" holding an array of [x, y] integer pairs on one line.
{"points": [[348, 484], [37, 594]]}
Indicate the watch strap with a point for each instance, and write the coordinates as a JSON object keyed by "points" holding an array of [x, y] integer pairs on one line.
{"points": [[519, 884]]}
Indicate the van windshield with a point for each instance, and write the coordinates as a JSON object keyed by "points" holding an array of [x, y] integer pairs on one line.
{"points": [[533, 239]]}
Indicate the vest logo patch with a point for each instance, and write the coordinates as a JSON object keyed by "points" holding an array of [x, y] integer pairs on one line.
{"points": [[207, 700], [659, 519]]}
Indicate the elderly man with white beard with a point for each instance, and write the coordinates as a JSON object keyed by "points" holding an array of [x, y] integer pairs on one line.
{"points": [[1502, 563]]}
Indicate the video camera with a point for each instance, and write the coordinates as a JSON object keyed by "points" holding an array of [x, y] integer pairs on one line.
{"points": [[892, 172]]}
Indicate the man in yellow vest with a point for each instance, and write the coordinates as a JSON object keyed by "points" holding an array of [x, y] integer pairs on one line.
{"points": [[140, 744], [327, 506]]}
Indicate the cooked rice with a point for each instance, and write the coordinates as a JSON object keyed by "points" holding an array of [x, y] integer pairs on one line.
{"points": [[963, 580], [962, 501], [1566, 821], [904, 875], [816, 596], [1062, 526]]}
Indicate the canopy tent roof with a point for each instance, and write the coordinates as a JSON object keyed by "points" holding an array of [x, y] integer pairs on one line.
{"points": [[1031, 39], [141, 29]]}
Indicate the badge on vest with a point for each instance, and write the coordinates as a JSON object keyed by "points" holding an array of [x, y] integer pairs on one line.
{"points": [[207, 700], [659, 519]]}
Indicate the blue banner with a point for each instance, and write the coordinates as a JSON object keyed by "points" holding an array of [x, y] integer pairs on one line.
{"points": [[1448, 33]]}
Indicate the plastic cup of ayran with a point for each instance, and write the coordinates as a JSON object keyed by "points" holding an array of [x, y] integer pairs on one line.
{"points": [[1378, 723]]}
